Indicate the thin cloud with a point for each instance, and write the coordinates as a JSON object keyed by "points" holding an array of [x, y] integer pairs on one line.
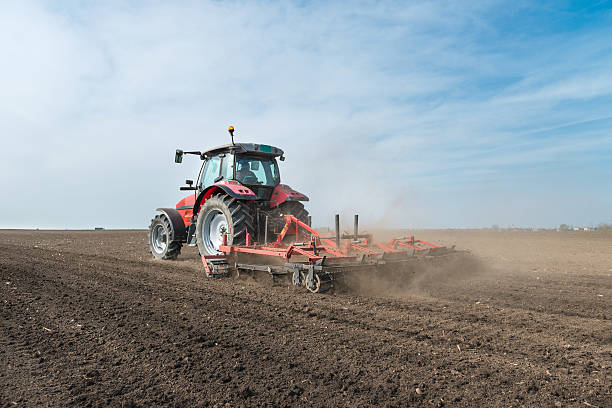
{"points": [[382, 107]]}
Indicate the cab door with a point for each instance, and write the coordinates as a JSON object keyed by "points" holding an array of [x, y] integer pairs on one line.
{"points": [[210, 172]]}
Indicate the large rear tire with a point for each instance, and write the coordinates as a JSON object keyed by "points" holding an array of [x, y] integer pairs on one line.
{"points": [[161, 242], [276, 221], [296, 209], [222, 214]]}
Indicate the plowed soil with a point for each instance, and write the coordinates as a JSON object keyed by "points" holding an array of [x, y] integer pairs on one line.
{"points": [[89, 319]]}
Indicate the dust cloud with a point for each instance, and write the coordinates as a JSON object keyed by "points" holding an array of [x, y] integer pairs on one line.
{"points": [[416, 278]]}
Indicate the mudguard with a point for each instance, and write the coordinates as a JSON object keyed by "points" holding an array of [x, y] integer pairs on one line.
{"points": [[177, 226], [230, 187], [283, 193], [235, 189]]}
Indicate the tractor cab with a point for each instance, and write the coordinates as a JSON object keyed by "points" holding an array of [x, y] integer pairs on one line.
{"points": [[252, 165]]}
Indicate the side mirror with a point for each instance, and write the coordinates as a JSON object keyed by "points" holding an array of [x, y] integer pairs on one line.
{"points": [[178, 156], [189, 187], [282, 158]]}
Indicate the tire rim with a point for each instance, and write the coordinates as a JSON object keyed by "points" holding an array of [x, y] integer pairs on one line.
{"points": [[215, 225], [159, 239]]}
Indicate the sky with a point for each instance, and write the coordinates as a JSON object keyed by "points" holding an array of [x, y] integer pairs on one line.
{"points": [[413, 114]]}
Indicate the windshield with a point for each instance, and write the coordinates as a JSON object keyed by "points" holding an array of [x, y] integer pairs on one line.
{"points": [[253, 170]]}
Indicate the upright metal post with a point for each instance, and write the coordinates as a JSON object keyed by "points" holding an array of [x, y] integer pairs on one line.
{"points": [[266, 231], [258, 215], [356, 234], [310, 220], [338, 230]]}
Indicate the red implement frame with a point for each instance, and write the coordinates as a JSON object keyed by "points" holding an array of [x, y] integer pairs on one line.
{"points": [[317, 246]]}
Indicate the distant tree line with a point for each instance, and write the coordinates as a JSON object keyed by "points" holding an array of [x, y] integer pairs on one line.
{"points": [[600, 227], [562, 227]]}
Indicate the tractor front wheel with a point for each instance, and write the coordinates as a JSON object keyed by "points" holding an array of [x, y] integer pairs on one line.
{"points": [[220, 215], [160, 239]]}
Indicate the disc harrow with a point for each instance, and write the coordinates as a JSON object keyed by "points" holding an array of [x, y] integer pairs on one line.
{"points": [[304, 257]]}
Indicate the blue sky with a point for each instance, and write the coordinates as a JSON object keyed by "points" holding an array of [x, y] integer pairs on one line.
{"points": [[420, 114]]}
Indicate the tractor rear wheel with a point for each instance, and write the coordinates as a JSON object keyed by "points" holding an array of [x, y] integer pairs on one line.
{"points": [[222, 214], [276, 221], [160, 239], [294, 208]]}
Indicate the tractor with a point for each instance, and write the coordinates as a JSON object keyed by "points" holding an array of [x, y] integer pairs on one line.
{"points": [[244, 221], [238, 194]]}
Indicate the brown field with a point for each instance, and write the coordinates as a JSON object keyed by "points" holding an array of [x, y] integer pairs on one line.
{"points": [[89, 319]]}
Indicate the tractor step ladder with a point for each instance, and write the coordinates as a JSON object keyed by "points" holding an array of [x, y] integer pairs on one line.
{"points": [[215, 266]]}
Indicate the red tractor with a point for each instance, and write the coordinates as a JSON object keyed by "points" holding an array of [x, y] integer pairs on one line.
{"points": [[237, 193]]}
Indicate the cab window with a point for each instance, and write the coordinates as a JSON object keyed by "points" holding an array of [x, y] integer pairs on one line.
{"points": [[227, 167], [211, 171], [254, 170]]}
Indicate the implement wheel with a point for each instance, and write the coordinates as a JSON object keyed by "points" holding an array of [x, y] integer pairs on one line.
{"points": [[222, 214], [161, 244], [318, 284]]}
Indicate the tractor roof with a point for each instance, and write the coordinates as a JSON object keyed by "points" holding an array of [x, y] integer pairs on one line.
{"points": [[253, 148]]}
